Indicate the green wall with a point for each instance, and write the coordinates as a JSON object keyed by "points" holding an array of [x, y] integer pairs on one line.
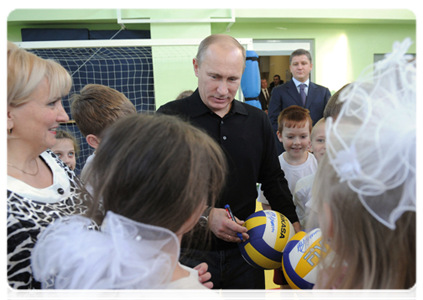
{"points": [[344, 40], [352, 45], [176, 74]]}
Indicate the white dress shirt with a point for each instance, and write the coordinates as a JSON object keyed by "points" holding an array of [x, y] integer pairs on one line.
{"points": [[297, 84]]}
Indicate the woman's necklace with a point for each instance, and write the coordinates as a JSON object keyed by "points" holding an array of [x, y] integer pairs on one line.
{"points": [[24, 171]]}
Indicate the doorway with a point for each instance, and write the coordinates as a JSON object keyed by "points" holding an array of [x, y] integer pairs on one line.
{"points": [[274, 56]]}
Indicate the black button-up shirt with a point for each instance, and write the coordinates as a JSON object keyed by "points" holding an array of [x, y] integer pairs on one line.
{"points": [[247, 138]]}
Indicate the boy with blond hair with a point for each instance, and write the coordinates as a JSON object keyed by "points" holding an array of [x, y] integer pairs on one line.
{"points": [[294, 129], [302, 192], [305, 208], [94, 109]]}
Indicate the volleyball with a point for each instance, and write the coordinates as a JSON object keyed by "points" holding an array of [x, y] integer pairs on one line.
{"points": [[301, 257], [269, 233]]}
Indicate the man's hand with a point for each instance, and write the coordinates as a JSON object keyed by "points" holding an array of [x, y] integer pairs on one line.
{"points": [[203, 275], [224, 228]]}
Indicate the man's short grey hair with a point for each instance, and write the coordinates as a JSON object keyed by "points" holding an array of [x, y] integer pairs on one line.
{"points": [[216, 39], [299, 52]]}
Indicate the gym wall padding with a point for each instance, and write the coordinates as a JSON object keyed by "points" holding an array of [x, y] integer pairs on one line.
{"points": [[250, 81]]}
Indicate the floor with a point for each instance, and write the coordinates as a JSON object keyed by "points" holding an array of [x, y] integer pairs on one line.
{"points": [[272, 290]]}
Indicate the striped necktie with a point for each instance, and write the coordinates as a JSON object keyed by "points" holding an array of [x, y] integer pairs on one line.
{"points": [[302, 93]]}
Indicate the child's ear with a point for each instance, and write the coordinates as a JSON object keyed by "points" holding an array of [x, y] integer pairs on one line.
{"points": [[93, 140], [279, 136]]}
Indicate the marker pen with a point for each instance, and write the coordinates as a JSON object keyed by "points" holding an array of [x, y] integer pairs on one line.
{"points": [[231, 216]]}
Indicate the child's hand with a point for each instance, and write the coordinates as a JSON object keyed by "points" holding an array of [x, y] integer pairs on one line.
{"points": [[297, 226], [203, 275]]}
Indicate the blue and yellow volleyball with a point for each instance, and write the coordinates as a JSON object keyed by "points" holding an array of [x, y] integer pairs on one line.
{"points": [[301, 257], [269, 233]]}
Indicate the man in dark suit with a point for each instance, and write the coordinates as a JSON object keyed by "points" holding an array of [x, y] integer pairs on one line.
{"points": [[276, 81], [264, 96], [298, 91]]}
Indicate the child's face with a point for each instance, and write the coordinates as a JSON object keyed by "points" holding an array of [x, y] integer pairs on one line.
{"points": [[65, 149], [296, 140], [318, 142]]}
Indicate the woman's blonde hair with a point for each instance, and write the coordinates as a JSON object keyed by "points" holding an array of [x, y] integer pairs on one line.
{"points": [[156, 170], [25, 71], [369, 255]]}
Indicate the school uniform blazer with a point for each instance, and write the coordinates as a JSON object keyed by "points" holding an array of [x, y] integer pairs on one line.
{"points": [[287, 94]]}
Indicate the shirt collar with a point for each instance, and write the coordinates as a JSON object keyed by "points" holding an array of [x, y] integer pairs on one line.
{"points": [[238, 108], [307, 82], [199, 108]]}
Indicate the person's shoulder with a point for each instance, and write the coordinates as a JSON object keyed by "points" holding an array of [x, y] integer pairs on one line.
{"points": [[308, 179], [251, 111], [87, 167], [90, 158], [311, 157], [177, 107], [53, 160], [318, 86], [50, 156], [304, 184], [180, 103], [249, 108], [283, 86], [310, 162], [282, 160]]}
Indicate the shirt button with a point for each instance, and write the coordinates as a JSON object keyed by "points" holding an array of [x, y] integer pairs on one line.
{"points": [[221, 122], [224, 137], [60, 191]]}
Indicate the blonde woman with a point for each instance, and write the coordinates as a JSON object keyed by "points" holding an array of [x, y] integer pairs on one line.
{"points": [[40, 187]]}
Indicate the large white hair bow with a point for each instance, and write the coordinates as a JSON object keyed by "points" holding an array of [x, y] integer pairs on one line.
{"points": [[372, 142], [126, 257]]}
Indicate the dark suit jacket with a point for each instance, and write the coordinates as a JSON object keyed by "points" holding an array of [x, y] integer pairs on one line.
{"points": [[264, 103], [272, 85], [287, 94]]}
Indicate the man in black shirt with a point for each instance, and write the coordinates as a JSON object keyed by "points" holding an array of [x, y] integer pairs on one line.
{"points": [[246, 136]]}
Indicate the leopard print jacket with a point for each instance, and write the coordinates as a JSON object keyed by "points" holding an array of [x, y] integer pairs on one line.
{"points": [[26, 219]]}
